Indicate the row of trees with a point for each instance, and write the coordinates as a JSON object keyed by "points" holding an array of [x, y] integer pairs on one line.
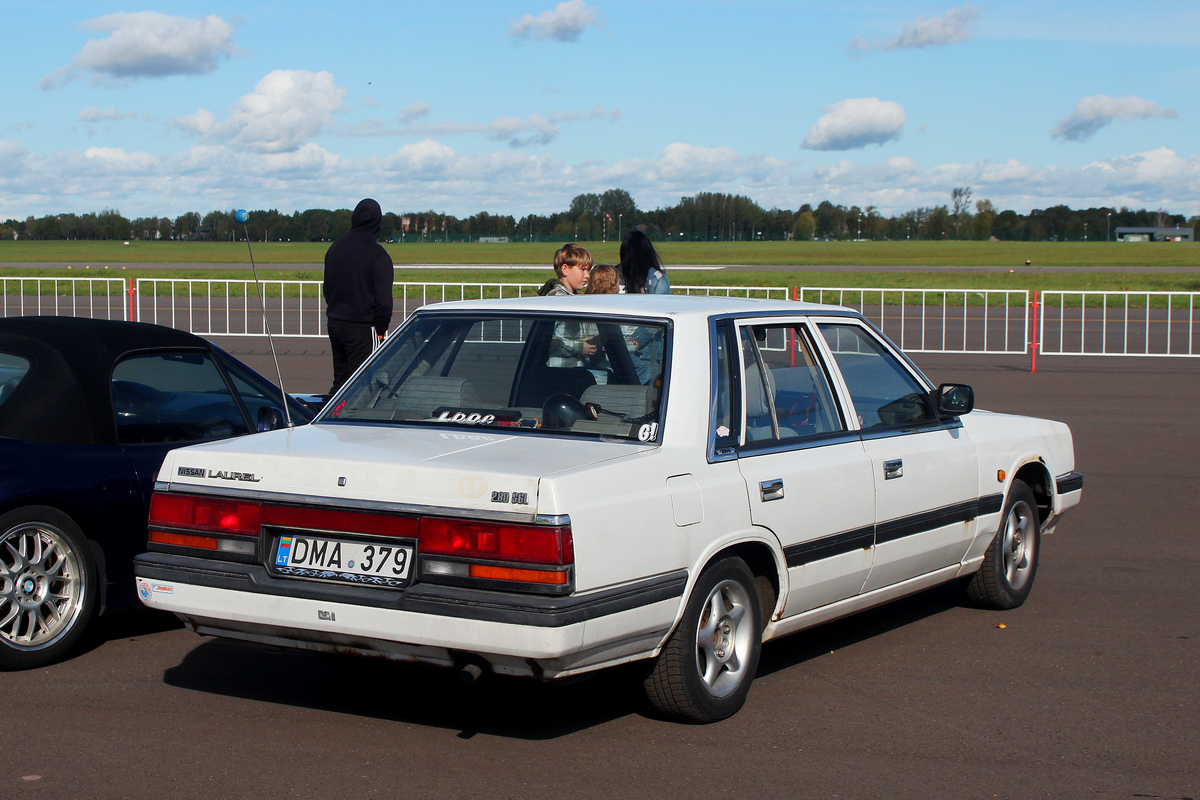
{"points": [[706, 216]]}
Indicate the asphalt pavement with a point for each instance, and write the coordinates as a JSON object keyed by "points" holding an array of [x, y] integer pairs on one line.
{"points": [[1090, 690]]}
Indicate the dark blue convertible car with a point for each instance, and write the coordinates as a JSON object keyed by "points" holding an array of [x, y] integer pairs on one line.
{"points": [[88, 409]]}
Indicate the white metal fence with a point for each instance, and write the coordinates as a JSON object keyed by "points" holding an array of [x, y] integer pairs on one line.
{"points": [[986, 321], [1081, 323], [940, 320], [230, 307], [105, 298]]}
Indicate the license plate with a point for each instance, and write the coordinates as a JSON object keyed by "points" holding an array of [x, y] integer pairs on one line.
{"points": [[369, 563]]}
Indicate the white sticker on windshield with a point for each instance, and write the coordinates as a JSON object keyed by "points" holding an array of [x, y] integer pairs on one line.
{"points": [[648, 432]]}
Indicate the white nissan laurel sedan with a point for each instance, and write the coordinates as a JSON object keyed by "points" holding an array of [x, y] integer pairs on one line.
{"points": [[550, 486]]}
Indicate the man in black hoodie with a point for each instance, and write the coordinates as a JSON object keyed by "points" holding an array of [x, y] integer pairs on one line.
{"points": [[358, 291]]}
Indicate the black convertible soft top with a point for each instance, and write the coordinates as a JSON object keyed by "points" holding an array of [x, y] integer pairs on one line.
{"points": [[66, 398]]}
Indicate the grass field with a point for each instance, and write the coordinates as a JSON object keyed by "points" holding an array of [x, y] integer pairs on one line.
{"points": [[1135, 257], [193, 281], [1140, 265]]}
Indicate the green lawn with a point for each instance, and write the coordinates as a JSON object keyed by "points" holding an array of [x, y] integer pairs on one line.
{"points": [[882, 254], [1141, 263], [1029, 279]]}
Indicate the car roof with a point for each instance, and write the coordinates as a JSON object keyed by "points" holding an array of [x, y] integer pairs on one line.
{"points": [[656, 305], [66, 397]]}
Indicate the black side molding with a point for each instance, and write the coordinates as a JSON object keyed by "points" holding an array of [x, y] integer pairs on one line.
{"points": [[861, 538]]}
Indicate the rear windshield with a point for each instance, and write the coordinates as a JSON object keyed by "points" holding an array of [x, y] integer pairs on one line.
{"points": [[579, 375], [13, 369]]}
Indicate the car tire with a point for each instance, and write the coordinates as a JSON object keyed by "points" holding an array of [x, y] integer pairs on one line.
{"points": [[704, 671], [1010, 563], [48, 586]]}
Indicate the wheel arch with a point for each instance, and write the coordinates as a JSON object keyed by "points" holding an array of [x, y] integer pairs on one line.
{"points": [[1036, 476], [765, 562]]}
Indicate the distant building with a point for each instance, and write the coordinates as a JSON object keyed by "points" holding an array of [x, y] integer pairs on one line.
{"points": [[1155, 235]]}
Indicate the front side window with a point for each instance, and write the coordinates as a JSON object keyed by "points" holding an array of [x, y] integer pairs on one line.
{"points": [[787, 394], [257, 394], [13, 369], [173, 397], [568, 374], [884, 392]]}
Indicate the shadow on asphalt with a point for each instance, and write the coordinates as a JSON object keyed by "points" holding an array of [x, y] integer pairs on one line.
{"points": [[496, 705], [791, 651], [126, 623], [410, 693]]}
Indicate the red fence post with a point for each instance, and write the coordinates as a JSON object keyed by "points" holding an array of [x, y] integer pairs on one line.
{"points": [[1033, 344], [132, 303]]}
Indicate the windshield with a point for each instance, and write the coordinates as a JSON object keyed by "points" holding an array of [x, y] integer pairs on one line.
{"points": [[581, 374]]}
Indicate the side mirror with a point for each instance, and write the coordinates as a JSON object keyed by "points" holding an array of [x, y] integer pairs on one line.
{"points": [[954, 399], [270, 418]]}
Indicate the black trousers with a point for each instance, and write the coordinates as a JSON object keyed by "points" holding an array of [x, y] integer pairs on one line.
{"points": [[351, 343]]}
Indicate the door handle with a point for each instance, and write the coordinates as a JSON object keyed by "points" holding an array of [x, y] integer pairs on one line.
{"points": [[771, 490], [893, 469]]}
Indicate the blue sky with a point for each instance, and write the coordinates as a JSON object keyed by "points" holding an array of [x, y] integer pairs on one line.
{"points": [[518, 106]]}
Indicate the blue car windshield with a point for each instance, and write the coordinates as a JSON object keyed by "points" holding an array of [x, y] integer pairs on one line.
{"points": [[578, 374]]}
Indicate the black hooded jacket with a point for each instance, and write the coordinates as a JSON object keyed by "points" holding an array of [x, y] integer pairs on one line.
{"points": [[358, 272]]}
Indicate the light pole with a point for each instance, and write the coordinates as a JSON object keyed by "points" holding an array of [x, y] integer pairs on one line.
{"points": [[1107, 226], [619, 227]]}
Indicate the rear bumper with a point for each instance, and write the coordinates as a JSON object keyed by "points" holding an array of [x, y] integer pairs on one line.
{"points": [[525, 635]]}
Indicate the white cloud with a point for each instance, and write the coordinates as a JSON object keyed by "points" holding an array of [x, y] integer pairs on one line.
{"points": [[14, 160], [148, 44], [564, 24], [925, 32], [1093, 113], [414, 112], [198, 124], [856, 123], [95, 114], [286, 109], [431, 174]]}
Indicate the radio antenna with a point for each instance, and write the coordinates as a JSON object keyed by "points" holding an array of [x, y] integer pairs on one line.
{"points": [[241, 216]]}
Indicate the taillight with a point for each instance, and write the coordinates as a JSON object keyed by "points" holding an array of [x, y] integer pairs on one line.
{"points": [[191, 512], [184, 540], [497, 541], [544, 576]]}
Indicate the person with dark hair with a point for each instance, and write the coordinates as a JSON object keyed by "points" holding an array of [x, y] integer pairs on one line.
{"points": [[641, 271], [358, 291]]}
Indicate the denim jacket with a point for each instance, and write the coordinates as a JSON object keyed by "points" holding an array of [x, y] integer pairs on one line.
{"points": [[657, 282]]}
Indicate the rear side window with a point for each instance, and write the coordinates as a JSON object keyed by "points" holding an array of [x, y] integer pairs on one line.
{"points": [[13, 369], [787, 395], [173, 397]]}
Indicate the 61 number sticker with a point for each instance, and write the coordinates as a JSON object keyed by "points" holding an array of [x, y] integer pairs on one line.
{"points": [[648, 432]]}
